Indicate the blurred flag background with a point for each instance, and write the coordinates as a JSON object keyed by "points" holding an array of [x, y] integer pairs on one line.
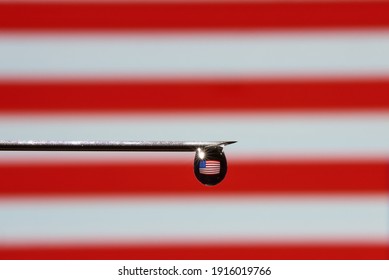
{"points": [[301, 85]]}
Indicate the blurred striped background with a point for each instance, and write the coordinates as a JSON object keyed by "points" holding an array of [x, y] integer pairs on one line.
{"points": [[303, 86]]}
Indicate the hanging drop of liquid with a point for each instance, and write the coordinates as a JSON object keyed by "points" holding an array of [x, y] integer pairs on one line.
{"points": [[210, 165]]}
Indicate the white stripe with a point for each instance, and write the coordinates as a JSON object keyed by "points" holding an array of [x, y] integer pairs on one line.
{"points": [[211, 55], [282, 136], [182, 219]]}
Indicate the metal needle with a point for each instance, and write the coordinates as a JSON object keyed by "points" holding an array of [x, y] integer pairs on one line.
{"points": [[110, 146]]}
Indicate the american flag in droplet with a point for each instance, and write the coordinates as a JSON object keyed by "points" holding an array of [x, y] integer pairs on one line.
{"points": [[209, 167]]}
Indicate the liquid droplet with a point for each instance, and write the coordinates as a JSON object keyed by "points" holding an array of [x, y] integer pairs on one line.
{"points": [[210, 165]]}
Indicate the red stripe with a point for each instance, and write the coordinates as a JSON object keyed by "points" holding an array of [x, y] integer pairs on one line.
{"points": [[180, 16], [174, 96], [207, 252], [169, 179]]}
